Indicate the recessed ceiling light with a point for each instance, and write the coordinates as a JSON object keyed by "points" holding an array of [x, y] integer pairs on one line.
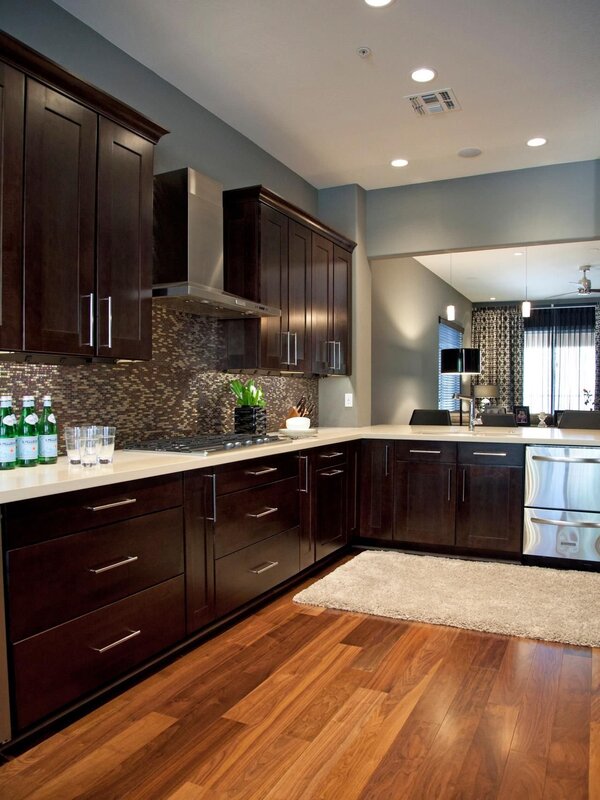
{"points": [[423, 74], [492, 298], [378, 3], [537, 141], [469, 152], [399, 162]]}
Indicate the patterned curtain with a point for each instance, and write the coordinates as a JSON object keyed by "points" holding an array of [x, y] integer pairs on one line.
{"points": [[597, 344], [498, 333]]}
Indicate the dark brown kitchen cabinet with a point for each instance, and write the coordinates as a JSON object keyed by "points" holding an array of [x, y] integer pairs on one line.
{"points": [[278, 255], [77, 271], [199, 549], [12, 105], [490, 497], [330, 509], [376, 490], [425, 492]]}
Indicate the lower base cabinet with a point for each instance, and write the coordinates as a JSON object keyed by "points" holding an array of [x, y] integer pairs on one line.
{"points": [[376, 490]]}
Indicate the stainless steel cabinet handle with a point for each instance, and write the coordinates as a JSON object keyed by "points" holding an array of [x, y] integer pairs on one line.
{"points": [[126, 502], [464, 483], [501, 455], [337, 349], [264, 567], [330, 360], [567, 459], [562, 523], [294, 363], [213, 479], [305, 489], [108, 301], [432, 452], [263, 513], [126, 560], [264, 471], [332, 472], [90, 298], [333, 454], [129, 636], [285, 337]]}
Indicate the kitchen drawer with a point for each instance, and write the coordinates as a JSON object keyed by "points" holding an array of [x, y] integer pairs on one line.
{"points": [[65, 663], [244, 518], [442, 452], [242, 576], [55, 581], [246, 474], [494, 454], [329, 456], [31, 521]]}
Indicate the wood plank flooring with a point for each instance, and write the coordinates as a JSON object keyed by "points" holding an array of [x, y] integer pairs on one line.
{"points": [[297, 703]]}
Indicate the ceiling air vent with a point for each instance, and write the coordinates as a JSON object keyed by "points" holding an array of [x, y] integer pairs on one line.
{"points": [[440, 101]]}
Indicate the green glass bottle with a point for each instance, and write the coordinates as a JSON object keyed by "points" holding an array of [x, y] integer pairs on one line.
{"points": [[48, 439], [8, 425], [27, 434]]}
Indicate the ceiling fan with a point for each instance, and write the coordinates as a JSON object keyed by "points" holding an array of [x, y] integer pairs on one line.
{"points": [[584, 283]]}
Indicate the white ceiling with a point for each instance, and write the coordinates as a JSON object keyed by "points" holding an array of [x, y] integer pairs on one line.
{"points": [[286, 74], [548, 271]]}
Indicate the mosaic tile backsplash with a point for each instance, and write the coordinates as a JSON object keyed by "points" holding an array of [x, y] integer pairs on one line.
{"points": [[182, 390]]}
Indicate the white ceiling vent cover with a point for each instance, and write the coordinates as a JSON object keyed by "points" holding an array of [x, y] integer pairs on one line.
{"points": [[438, 101]]}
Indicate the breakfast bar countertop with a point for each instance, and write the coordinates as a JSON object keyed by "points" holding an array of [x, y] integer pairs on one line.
{"points": [[128, 465]]}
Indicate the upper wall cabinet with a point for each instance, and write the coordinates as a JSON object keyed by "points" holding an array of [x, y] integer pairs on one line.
{"points": [[278, 255], [77, 268]]}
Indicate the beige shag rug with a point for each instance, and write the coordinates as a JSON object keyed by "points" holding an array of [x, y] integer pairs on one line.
{"points": [[535, 602]]}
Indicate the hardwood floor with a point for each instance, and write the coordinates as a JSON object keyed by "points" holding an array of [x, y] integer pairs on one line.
{"points": [[296, 703]]}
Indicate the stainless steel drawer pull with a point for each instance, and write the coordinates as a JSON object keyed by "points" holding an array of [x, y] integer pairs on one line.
{"points": [[264, 567], [332, 472], [330, 455], [258, 472], [263, 513], [431, 452], [122, 563], [567, 459], [127, 502], [500, 455], [305, 489], [563, 523], [123, 639]]}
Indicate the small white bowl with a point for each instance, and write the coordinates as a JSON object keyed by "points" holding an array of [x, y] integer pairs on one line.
{"points": [[297, 423]]}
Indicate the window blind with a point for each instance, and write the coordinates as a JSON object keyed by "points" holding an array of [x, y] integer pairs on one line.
{"points": [[449, 336]]}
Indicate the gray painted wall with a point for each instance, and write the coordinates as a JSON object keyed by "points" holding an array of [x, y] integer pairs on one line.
{"points": [[197, 138], [408, 299], [527, 206], [344, 208]]}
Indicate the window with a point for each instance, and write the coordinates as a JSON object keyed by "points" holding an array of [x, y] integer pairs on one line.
{"points": [[449, 336], [558, 358]]}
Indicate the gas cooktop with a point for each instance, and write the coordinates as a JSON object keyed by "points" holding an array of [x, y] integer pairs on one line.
{"points": [[203, 445]]}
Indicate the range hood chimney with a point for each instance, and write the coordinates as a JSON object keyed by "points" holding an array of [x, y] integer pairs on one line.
{"points": [[188, 249]]}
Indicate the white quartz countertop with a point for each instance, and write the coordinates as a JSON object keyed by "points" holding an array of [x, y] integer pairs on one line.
{"points": [[26, 483]]}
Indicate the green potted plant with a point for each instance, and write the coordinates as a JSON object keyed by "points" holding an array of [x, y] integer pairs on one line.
{"points": [[250, 414]]}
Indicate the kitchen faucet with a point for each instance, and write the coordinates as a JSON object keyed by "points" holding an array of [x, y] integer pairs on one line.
{"points": [[471, 401]]}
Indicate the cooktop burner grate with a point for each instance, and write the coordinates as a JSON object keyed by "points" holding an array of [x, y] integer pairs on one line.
{"points": [[203, 445]]}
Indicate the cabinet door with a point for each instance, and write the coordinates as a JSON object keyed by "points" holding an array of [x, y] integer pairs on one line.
{"points": [[330, 509], [321, 278], [305, 481], [490, 508], [425, 502], [12, 114], [376, 490], [59, 207], [124, 304], [199, 506], [273, 266], [341, 310], [297, 295], [353, 488]]}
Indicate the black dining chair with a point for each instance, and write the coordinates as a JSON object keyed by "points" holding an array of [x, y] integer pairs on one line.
{"points": [[499, 420], [430, 416], [580, 419]]}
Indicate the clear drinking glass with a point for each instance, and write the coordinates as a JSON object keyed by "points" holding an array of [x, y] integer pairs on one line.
{"points": [[106, 443], [73, 443], [89, 446]]}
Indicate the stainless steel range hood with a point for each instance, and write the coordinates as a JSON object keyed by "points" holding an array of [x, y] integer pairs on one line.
{"points": [[188, 249]]}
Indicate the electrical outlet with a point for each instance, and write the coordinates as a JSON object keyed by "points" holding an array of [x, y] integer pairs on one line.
{"points": [[348, 400]]}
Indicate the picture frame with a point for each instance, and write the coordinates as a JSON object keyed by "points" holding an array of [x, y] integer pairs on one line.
{"points": [[522, 416], [557, 415]]}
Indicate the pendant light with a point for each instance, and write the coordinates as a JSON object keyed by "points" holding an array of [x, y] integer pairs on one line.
{"points": [[451, 308], [526, 305]]}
